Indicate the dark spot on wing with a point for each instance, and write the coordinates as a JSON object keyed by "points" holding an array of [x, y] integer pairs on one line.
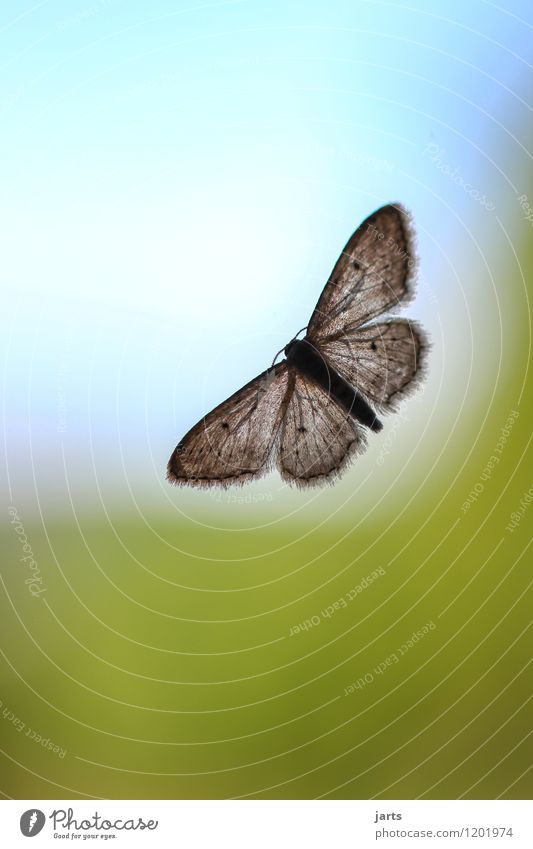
{"points": [[356, 265], [302, 429], [373, 346], [225, 425]]}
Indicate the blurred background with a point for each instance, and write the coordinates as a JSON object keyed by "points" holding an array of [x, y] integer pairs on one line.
{"points": [[178, 181]]}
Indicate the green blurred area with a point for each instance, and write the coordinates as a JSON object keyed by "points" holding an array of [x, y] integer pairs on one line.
{"points": [[160, 656]]}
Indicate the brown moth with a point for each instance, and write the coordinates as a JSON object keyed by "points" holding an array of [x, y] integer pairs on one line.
{"points": [[309, 413]]}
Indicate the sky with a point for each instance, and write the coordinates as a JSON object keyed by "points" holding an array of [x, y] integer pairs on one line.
{"points": [[179, 179]]}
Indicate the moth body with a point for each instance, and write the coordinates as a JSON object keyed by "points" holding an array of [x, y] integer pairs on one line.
{"points": [[306, 358], [309, 413]]}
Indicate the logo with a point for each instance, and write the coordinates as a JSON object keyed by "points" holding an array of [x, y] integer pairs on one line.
{"points": [[31, 822]]}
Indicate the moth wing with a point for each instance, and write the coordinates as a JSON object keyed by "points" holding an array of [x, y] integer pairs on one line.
{"points": [[383, 360], [371, 276], [233, 443], [318, 437]]}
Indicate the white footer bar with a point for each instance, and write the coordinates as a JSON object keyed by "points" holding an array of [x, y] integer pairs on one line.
{"points": [[265, 824]]}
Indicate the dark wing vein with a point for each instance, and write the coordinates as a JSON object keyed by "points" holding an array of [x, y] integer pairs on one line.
{"points": [[384, 361], [371, 276], [318, 437], [233, 443]]}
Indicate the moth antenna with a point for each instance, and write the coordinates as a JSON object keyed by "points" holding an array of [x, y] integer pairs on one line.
{"points": [[292, 340], [277, 355]]}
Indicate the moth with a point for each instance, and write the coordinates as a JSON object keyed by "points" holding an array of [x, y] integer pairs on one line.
{"points": [[310, 413]]}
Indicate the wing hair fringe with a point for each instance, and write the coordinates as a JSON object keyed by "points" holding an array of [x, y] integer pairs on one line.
{"points": [[358, 446]]}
